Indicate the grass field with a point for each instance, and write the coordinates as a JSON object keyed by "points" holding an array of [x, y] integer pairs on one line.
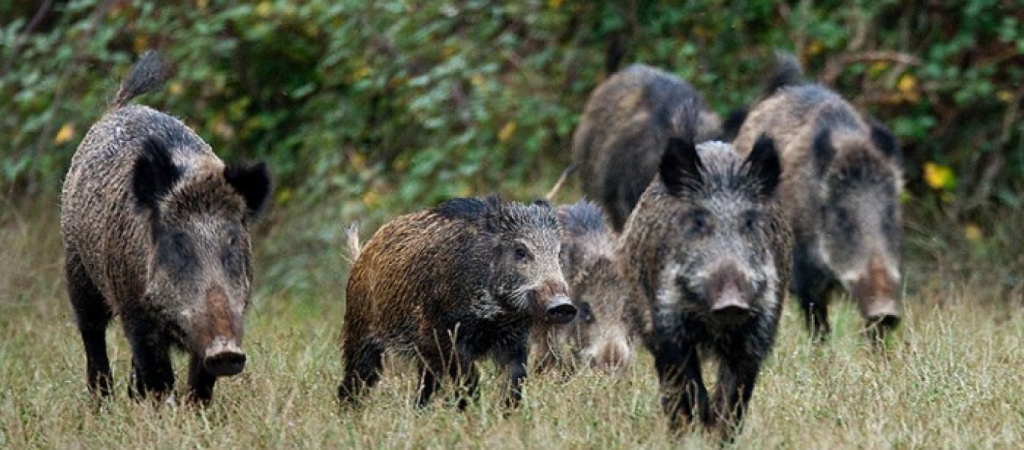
{"points": [[954, 378]]}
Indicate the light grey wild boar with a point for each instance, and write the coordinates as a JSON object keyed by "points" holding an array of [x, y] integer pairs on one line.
{"points": [[156, 230], [449, 285], [841, 193], [625, 125], [601, 334], [706, 253]]}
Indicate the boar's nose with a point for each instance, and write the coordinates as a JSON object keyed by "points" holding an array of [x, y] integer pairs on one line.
{"points": [[224, 358], [884, 313], [730, 308], [560, 310]]}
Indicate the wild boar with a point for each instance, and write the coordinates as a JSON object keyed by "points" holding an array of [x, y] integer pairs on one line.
{"points": [[156, 230], [625, 125], [841, 195], [706, 252], [449, 285], [600, 336]]}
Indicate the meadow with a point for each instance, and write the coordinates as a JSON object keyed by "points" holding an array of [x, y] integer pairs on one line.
{"points": [[951, 379]]}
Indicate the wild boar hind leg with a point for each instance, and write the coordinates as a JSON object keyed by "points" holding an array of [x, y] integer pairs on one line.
{"points": [[93, 315]]}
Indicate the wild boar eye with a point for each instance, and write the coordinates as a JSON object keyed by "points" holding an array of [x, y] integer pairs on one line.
{"points": [[521, 253], [751, 221], [586, 314], [698, 222]]}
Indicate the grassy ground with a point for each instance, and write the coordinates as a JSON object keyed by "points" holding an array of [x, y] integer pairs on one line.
{"points": [[952, 380]]}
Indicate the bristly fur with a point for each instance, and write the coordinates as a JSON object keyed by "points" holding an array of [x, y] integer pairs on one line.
{"points": [[710, 222], [252, 182], [146, 75], [681, 168], [763, 166], [733, 123], [787, 73], [840, 193], [470, 209], [447, 286], [861, 169], [352, 239], [619, 142], [154, 174], [582, 218], [685, 173], [155, 233]]}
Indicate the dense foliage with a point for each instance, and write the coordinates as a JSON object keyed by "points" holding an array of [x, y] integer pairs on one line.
{"points": [[401, 103]]}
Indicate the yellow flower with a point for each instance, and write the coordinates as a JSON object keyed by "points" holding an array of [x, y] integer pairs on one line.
{"points": [[264, 9], [973, 232], [908, 88], [877, 68], [176, 88], [506, 131], [140, 43], [554, 4], [939, 177], [370, 198], [815, 48], [65, 134]]}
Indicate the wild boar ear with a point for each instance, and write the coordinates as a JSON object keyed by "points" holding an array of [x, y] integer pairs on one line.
{"points": [[570, 255], [823, 150], [680, 167], [153, 174], [763, 165], [252, 182], [884, 140]]}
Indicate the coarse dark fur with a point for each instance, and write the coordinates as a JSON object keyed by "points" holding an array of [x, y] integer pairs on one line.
{"points": [[449, 285], [706, 253], [600, 336], [155, 230], [841, 194], [624, 128]]}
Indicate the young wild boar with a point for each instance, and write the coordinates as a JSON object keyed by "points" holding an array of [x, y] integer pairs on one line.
{"points": [[600, 334], [155, 229], [625, 125], [841, 196], [449, 285], [707, 249]]}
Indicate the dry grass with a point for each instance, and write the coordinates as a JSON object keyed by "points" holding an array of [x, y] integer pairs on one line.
{"points": [[952, 380]]}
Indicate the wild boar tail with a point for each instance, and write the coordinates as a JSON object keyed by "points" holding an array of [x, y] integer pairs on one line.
{"points": [[354, 247], [146, 75], [787, 73], [561, 181]]}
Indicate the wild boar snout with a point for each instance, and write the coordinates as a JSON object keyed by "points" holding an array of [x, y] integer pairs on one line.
{"points": [[223, 357], [729, 296], [560, 310]]}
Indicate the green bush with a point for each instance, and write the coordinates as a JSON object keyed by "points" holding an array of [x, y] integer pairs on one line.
{"points": [[400, 103]]}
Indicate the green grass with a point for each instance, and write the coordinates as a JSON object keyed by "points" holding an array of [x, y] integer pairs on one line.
{"points": [[952, 379]]}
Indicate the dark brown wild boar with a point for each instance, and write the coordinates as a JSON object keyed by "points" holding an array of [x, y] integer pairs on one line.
{"points": [[600, 335], [627, 121], [706, 252], [155, 230], [841, 194], [449, 285]]}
